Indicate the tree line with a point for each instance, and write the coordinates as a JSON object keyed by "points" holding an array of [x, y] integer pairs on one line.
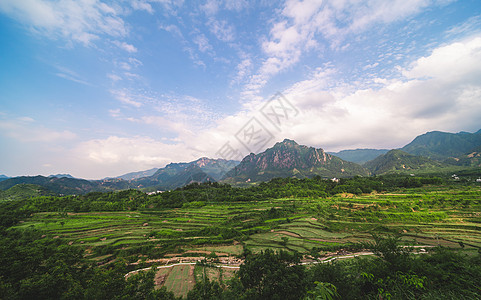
{"points": [[198, 193]]}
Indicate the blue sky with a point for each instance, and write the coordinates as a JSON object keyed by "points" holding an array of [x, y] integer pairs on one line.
{"points": [[100, 88]]}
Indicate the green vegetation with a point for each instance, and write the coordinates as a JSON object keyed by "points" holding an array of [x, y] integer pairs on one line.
{"points": [[84, 245], [395, 161], [22, 191], [442, 145]]}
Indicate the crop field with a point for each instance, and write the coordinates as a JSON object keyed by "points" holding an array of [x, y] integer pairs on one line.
{"points": [[180, 280], [428, 217], [448, 217]]}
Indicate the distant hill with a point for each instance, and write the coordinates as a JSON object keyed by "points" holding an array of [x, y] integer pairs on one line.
{"points": [[176, 175], [289, 159], [3, 177], [172, 177], [396, 161], [442, 145], [215, 168], [359, 156], [136, 175], [61, 176], [23, 191], [63, 185]]}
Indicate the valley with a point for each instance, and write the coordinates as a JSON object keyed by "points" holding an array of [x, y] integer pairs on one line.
{"points": [[207, 229]]}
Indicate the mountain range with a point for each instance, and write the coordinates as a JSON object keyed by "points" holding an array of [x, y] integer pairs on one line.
{"points": [[432, 151], [179, 174], [289, 159]]}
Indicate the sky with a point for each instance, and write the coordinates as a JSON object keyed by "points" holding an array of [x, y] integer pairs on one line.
{"points": [[101, 88]]}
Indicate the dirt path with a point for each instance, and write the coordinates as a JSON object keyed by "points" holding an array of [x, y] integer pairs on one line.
{"points": [[321, 261]]}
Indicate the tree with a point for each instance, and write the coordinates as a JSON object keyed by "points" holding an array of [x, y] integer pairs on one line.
{"points": [[272, 275], [205, 290], [323, 291], [388, 248]]}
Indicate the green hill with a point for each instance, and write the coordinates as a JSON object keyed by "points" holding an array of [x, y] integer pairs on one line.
{"points": [[470, 159], [442, 145], [396, 161], [63, 185], [23, 191]]}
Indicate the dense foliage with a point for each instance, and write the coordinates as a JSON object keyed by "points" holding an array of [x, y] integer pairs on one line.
{"points": [[394, 274], [34, 267], [216, 192]]}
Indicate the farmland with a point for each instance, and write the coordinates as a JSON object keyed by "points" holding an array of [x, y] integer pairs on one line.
{"points": [[315, 226]]}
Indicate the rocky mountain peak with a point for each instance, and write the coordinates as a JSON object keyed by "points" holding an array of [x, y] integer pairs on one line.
{"points": [[287, 158]]}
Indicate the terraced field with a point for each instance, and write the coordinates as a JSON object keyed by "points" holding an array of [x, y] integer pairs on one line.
{"points": [[437, 217]]}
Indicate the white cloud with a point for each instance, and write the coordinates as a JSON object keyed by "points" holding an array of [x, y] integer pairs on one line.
{"points": [[471, 26], [116, 155], [126, 97], [68, 74], [210, 7], [221, 29], [236, 5], [127, 47], [114, 77], [433, 93], [305, 25], [450, 63], [80, 21], [437, 92], [26, 119], [183, 109], [131, 76], [163, 123], [142, 5], [365, 14], [173, 29], [243, 69], [135, 62], [25, 129], [202, 42], [115, 113], [71, 78]]}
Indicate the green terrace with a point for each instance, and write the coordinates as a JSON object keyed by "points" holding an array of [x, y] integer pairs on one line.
{"points": [[442, 216]]}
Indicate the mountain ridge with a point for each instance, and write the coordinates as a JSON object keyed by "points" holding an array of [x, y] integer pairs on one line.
{"points": [[441, 145], [289, 159], [284, 159]]}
